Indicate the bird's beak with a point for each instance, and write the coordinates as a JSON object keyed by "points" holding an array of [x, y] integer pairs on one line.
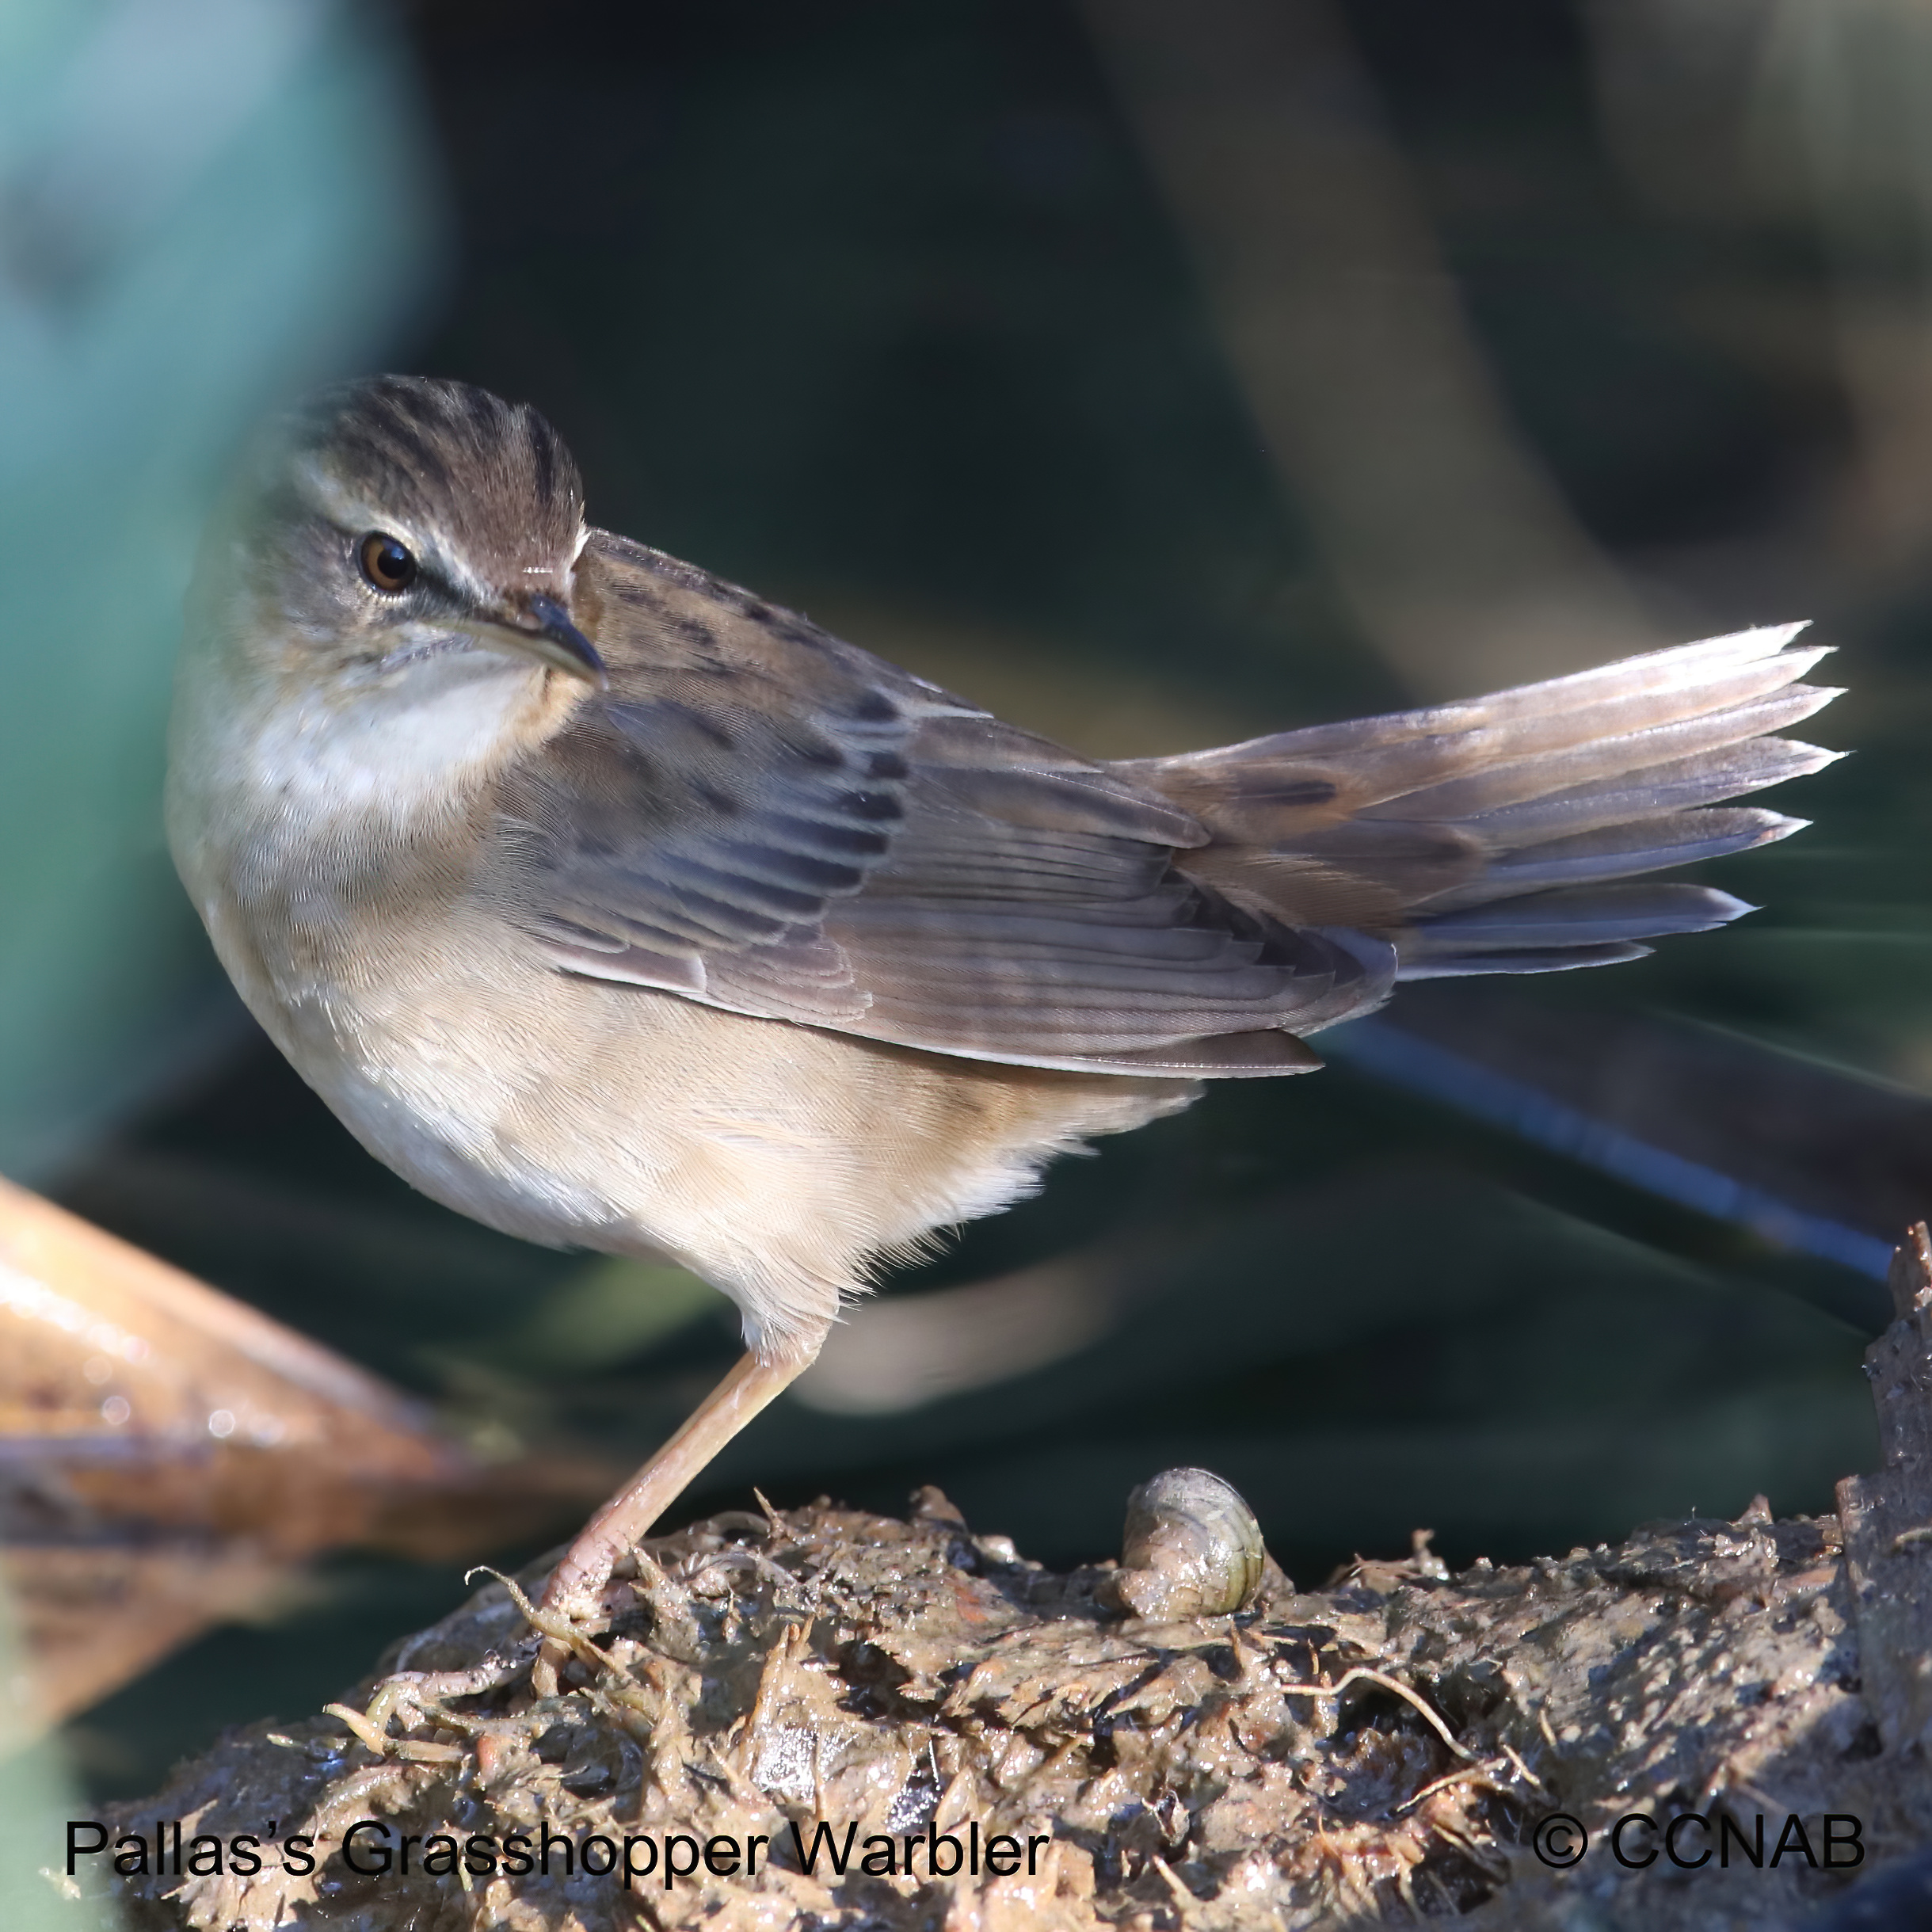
{"points": [[540, 627]]}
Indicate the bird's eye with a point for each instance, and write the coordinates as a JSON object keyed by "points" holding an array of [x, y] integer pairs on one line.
{"points": [[388, 565]]}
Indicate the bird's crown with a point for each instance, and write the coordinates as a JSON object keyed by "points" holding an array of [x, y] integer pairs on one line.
{"points": [[490, 479]]}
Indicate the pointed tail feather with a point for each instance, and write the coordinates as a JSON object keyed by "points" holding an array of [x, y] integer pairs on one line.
{"points": [[1494, 836]]}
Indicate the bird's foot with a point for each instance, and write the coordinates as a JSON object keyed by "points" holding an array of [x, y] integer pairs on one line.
{"points": [[568, 1627], [558, 1633], [576, 1585], [415, 1698]]}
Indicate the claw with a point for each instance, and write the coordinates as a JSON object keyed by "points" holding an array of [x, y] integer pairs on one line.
{"points": [[415, 1696], [559, 1626]]}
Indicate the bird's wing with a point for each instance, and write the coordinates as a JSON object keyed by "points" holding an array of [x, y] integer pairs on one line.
{"points": [[762, 818]]}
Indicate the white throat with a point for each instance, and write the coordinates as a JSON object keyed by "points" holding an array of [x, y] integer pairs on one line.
{"points": [[272, 761]]}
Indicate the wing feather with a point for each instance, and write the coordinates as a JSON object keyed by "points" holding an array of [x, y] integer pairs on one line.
{"points": [[765, 819]]}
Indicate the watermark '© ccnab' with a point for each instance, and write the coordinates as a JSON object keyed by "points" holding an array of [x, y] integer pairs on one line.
{"points": [[1690, 1841]]}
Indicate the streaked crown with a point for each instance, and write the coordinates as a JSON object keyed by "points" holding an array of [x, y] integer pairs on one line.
{"points": [[493, 478]]}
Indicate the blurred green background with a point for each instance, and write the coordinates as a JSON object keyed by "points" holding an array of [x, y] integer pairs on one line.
{"points": [[1157, 376]]}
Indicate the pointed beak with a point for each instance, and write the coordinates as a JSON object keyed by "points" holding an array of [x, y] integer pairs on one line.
{"points": [[541, 628]]}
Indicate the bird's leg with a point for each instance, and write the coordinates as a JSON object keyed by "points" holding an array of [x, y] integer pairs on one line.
{"points": [[577, 1584]]}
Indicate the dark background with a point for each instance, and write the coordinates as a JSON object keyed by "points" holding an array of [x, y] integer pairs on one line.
{"points": [[912, 317]]}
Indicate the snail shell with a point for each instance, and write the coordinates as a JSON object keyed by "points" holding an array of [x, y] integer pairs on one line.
{"points": [[1191, 1548]]}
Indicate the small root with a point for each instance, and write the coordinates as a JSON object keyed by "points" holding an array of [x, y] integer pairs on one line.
{"points": [[411, 1750]]}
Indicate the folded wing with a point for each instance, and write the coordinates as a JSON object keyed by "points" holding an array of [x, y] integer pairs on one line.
{"points": [[762, 818]]}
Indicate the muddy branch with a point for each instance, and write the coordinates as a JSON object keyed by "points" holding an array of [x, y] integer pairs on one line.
{"points": [[823, 1717]]}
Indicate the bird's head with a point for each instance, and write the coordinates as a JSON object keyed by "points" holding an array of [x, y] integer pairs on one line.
{"points": [[400, 534]]}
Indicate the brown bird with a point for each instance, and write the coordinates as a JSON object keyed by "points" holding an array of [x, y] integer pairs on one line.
{"points": [[620, 910]]}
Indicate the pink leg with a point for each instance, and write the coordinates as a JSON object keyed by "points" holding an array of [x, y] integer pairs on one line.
{"points": [[577, 1584]]}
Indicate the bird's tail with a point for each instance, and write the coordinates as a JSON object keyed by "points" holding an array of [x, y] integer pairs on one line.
{"points": [[1511, 833]]}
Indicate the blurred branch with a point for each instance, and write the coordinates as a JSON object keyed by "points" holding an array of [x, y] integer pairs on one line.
{"points": [[167, 1454], [1807, 1154], [1460, 561]]}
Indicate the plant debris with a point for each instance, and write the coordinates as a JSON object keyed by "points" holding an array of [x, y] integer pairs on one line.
{"points": [[829, 1718], [1383, 1747]]}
